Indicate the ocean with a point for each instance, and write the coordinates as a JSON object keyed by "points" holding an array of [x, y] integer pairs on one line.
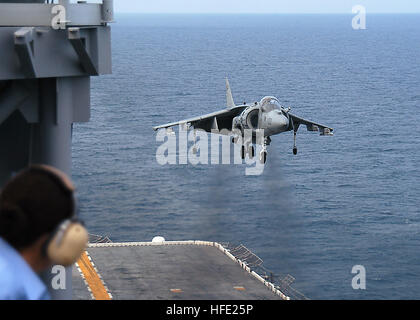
{"points": [[351, 199]]}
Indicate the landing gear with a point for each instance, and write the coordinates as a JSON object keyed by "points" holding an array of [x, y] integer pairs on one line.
{"points": [[264, 153], [243, 152], [263, 157], [195, 149], [247, 149], [295, 150], [251, 152]]}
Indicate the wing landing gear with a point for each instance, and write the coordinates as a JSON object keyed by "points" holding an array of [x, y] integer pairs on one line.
{"points": [[195, 148]]}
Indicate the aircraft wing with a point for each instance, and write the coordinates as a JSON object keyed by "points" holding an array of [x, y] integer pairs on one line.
{"points": [[310, 125], [216, 120]]}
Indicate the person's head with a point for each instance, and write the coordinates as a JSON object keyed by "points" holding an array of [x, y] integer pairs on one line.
{"points": [[33, 205]]}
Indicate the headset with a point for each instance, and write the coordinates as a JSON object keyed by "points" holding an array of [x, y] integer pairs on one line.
{"points": [[67, 242]]}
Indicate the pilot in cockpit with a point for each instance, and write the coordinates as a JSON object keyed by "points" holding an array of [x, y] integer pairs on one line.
{"points": [[270, 103]]}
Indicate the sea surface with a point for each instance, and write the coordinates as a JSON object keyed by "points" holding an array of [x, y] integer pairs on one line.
{"points": [[351, 199]]}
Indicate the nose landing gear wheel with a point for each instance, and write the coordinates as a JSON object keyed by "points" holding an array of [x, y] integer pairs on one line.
{"points": [[243, 152], [295, 151], [263, 157], [251, 152]]}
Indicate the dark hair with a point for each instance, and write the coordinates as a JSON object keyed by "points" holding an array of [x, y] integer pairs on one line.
{"points": [[32, 204]]}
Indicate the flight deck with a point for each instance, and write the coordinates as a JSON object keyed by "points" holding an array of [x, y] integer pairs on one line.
{"points": [[169, 270]]}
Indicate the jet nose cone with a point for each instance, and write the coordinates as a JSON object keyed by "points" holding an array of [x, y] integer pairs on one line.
{"points": [[279, 120], [277, 123]]}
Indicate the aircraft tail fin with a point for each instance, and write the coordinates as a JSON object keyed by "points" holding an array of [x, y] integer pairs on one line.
{"points": [[229, 98]]}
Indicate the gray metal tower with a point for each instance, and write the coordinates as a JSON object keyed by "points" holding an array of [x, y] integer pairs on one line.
{"points": [[48, 51]]}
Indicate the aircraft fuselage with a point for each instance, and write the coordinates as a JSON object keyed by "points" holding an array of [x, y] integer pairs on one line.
{"points": [[267, 115]]}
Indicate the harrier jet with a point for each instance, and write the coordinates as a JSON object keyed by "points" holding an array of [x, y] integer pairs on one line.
{"points": [[268, 114]]}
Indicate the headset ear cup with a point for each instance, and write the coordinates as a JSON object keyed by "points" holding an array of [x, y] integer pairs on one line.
{"points": [[67, 246]]}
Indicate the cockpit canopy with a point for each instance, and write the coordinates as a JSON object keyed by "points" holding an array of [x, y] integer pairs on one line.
{"points": [[270, 103]]}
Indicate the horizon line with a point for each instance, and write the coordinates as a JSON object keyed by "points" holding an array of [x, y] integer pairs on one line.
{"points": [[264, 13]]}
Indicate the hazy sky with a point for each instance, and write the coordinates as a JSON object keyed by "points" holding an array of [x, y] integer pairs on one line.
{"points": [[265, 6]]}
